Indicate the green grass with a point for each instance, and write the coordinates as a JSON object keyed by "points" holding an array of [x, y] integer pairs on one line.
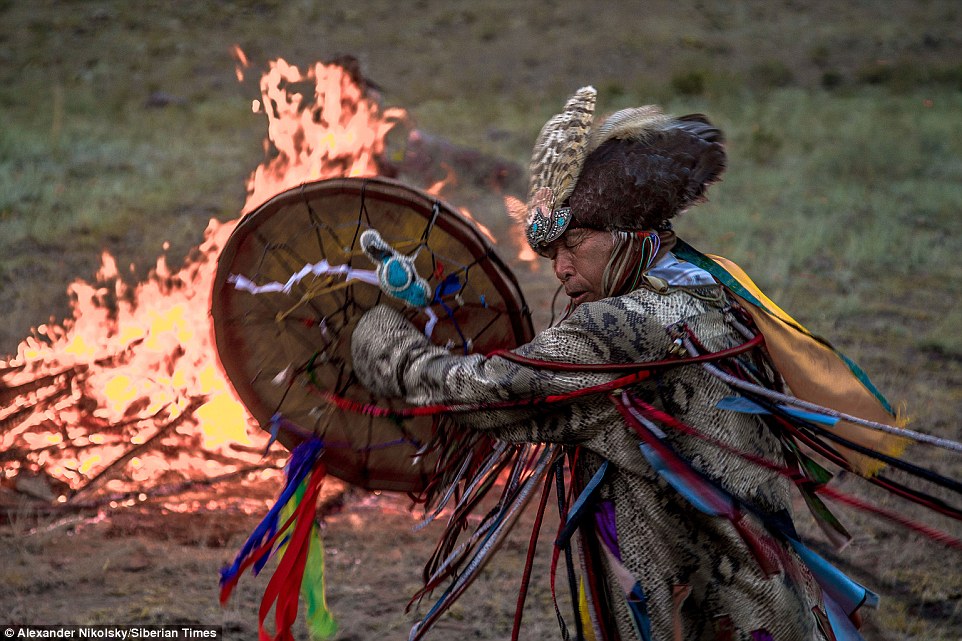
{"points": [[852, 195]]}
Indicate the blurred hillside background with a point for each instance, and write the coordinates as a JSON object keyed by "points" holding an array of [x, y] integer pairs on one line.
{"points": [[123, 127]]}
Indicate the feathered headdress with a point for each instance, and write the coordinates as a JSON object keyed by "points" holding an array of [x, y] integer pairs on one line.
{"points": [[558, 156], [635, 170]]}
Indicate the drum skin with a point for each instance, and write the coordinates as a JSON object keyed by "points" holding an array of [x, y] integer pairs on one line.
{"points": [[283, 351]]}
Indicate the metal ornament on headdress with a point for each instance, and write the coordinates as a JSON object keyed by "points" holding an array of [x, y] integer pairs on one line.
{"points": [[543, 230], [556, 161]]}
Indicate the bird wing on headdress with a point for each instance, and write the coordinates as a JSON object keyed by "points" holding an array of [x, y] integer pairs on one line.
{"points": [[645, 168], [636, 123]]}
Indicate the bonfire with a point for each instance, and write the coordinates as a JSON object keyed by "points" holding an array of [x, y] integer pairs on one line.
{"points": [[125, 400]]}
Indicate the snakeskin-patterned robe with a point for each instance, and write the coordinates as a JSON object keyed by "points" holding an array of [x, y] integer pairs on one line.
{"points": [[664, 542]]}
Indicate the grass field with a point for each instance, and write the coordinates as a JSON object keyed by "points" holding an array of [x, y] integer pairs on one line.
{"points": [[122, 127]]}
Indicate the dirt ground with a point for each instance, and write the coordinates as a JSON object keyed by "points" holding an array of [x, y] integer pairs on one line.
{"points": [[149, 565]]}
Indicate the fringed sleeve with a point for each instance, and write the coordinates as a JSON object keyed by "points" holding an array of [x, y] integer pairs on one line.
{"points": [[393, 359]]}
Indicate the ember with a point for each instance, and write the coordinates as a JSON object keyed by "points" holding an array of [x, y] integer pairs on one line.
{"points": [[124, 399]]}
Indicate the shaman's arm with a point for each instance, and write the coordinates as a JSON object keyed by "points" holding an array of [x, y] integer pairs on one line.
{"points": [[392, 358]]}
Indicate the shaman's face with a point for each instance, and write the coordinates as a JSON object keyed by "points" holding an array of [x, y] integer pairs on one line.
{"points": [[579, 258]]}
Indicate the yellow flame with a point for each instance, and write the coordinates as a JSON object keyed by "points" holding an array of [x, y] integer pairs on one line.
{"points": [[78, 347], [88, 463], [222, 420]]}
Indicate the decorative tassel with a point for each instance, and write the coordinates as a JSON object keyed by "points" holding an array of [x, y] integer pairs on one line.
{"points": [[489, 540], [299, 548], [841, 594], [844, 592], [638, 605], [584, 610], [842, 628], [320, 621], [698, 490], [679, 594]]}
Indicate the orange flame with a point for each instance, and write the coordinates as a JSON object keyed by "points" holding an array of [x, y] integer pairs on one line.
{"points": [[449, 180], [124, 370], [338, 131], [525, 252], [481, 226], [242, 62]]}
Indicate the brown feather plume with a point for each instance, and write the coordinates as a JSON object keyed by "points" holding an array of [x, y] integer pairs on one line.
{"points": [[561, 149]]}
